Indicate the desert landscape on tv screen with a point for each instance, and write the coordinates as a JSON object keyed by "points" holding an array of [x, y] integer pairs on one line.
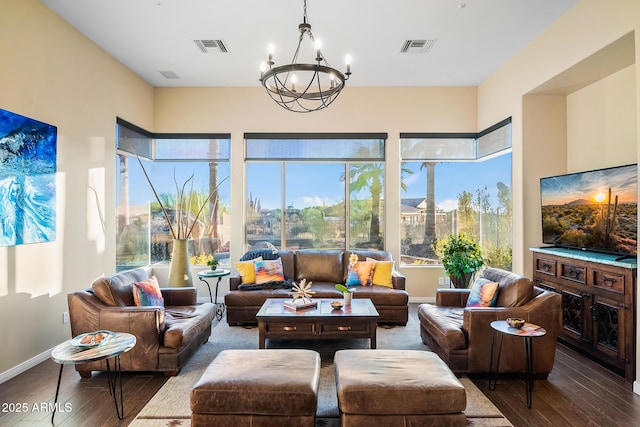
{"points": [[592, 210]]}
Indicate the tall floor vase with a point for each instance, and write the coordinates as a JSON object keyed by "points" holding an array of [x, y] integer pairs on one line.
{"points": [[179, 271]]}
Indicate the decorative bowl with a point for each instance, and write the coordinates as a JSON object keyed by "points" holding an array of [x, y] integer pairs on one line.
{"points": [[337, 305], [93, 339], [515, 322]]}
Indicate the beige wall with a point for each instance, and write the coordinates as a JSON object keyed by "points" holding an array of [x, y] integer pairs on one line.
{"points": [[53, 74], [601, 120]]}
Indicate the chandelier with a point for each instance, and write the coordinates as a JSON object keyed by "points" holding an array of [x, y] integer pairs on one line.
{"points": [[303, 87]]}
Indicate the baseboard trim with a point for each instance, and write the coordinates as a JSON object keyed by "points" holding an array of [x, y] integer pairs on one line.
{"points": [[421, 300], [25, 366]]}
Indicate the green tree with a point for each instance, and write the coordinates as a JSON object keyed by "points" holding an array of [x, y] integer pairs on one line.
{"points": [[371, 176], [466, 215]]}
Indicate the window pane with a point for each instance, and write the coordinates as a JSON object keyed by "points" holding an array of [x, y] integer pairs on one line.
{"points": [[143, 232], [366, 210], [473, 198], [315, 149], [493, 142], [264, 206], [437, 148], [305, 192], [133, 142], [315, 211], [190, 149]]}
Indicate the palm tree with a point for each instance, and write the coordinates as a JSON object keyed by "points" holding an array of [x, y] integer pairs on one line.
{"points": [[430, 217], [369, 175]]}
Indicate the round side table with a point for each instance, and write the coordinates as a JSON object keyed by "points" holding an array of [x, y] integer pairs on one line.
{"points": [[218, 273], [527, 332], [69, 354]]}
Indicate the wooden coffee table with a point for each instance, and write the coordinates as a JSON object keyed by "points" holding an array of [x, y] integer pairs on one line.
{"points": [[357, 320]]}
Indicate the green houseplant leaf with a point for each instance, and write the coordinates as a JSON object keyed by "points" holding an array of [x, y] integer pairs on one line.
{"points": [[342, 288], [459, 255]]}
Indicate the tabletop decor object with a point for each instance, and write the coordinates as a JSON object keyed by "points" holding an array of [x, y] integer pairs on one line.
{"points": [[301, 293], [92, 339], [515, 322], [336, 305], [347, 292]]}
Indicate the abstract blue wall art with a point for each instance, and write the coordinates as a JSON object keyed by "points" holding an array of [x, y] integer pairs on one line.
{"points": [[27, 180]]}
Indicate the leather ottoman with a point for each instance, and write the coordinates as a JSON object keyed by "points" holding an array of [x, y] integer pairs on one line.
{"points": [[397, 388], [258, 388]]}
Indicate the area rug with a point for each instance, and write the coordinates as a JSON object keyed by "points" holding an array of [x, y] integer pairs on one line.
{"points": [[170, 405]]}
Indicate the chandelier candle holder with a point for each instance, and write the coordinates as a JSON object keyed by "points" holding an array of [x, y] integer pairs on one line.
{"points": [[301, 87]]}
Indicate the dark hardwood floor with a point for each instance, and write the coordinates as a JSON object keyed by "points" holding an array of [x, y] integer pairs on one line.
{"points": [[579, 392]]}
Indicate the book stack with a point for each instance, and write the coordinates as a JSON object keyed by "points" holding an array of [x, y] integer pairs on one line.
{"points": [[300, 304]]}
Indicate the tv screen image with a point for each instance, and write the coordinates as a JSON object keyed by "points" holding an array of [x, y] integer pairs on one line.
{"points": [[593, 210]]}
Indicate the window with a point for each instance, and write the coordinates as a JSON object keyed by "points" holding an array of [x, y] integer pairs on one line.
{"points": [[170, 161], [315, 191], [457, 184]]}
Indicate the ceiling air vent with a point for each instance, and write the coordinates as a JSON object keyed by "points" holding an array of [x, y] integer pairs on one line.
{"points": [[207, 46], [418, 46], [169, 75]]}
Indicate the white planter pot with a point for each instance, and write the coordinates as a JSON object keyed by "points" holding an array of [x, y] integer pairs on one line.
{"points": [[347, 298]]}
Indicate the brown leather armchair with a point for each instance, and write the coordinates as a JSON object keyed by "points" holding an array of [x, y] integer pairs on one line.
{"points": [[461, 335], [165, 336]]}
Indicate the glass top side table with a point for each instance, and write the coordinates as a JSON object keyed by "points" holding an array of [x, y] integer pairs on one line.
{"points": [[69, 354], [218, 273], [527, 332]]}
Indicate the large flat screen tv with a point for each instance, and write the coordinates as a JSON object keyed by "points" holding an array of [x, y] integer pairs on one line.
{"points": [[594, 210]]}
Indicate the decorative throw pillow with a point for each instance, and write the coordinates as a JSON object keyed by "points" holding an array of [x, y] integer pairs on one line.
{"points": [[483, 293], [382, 272], [247, 270], [360, 274], [268, 271], [147, 293]]}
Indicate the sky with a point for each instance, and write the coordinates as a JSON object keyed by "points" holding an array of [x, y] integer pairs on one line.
{"points": [[592, 186], [318, 184]]}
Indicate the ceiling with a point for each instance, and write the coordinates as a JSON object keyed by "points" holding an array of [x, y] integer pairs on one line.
{"points": [[156, 38]]}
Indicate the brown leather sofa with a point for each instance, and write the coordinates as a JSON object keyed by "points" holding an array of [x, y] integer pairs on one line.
{"points": [[165, 336], [461, 335], [324, 268]]}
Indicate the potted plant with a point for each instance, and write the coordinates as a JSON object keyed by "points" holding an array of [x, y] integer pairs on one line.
{"points": [[212, 262], [461, 257], [347, 293]]}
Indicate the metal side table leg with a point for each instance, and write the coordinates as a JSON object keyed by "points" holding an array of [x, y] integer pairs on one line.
{"points": [[529, 369], [55, 401], [113, 378], [220, 307], [492, 374]]}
